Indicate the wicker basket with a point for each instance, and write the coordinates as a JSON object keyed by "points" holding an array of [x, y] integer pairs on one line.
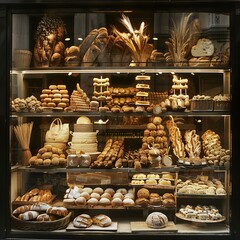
{"points": [[22, 58], [221, 105], [40, 226], [83, 127], [201, 105]]}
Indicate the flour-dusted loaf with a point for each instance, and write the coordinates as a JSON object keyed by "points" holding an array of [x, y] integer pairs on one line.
{"points": [[156, 220], [29, 215], [82, 221], [58, 211], [44, 217], [22, 209], [102, 220]]}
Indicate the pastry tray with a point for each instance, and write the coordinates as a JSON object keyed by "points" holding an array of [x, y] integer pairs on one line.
{"points": [[112, 227], [142, 227], [179, 215]]}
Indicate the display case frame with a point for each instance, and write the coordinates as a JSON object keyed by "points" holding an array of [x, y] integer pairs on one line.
{"points": [[9, 8]]}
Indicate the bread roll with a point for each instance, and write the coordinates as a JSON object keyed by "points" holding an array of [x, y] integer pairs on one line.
{"points": [[116, 202], [102, 220], [110, 190], [92, 202], [81, 201], [82, 221], [98, 190], [143, 193], [104, 202]]}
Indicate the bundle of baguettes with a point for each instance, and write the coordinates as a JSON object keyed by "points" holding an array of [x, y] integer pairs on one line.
{"points": [[23, 134]]}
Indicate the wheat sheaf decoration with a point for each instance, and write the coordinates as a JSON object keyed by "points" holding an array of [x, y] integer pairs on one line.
{"points": [[136, 40], [180, 39]]}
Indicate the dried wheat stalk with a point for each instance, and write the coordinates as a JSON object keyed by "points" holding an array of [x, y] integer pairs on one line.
{"points": [[136, 40], [23, 135], [181, 36]]}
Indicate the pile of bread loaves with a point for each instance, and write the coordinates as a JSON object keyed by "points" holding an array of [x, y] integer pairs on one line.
{"points": [[146, 198], [36, 195], [93, 197], [85, 221], [40, 212]]}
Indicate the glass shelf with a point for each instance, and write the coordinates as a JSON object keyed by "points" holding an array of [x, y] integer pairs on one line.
{"points": [[121, 114], [118, 70]]}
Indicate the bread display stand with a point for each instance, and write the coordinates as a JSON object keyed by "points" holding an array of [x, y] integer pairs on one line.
{"points": [[112, 227], [179, 215], [138, 226]]}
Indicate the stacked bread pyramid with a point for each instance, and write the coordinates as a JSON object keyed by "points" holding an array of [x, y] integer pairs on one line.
{"points": [[79, 100]]}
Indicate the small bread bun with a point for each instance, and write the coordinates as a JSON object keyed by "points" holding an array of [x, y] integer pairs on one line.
{"points": [[116, 202], [56, 100], [128, 202], [85, 195], [44, 95], [104, 202], [65, 100], [46, 91], [98, 190], [81, 201], [88, 190], [61, 87], [47, 99], [143, 193], [57, 95], [51, 104], [95, 195], [118, 195], [142, 201], [110, 190], [62, 105], [106, 195], [52, 87], [65, 91], [122, 191], [92, 202], [55, 91]]}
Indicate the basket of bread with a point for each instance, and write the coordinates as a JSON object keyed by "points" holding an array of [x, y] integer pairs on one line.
{"points": [[40, 217]]}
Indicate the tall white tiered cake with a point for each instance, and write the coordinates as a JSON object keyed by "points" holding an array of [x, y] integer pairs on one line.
{"points": [[84, 139]]}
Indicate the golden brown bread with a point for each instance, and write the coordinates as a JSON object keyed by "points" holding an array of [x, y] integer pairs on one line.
{"points": [[59, 211], [82, 221], [102, 220]]}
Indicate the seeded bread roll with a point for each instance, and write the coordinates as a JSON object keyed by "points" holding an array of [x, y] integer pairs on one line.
{"points": [[82, 221], [102, 220]]}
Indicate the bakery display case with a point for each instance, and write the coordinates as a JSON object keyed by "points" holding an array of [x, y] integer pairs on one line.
{"points": [[120, 122]]}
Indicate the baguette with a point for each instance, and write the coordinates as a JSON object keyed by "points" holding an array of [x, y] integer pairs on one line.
{"points": [[22, 209]]}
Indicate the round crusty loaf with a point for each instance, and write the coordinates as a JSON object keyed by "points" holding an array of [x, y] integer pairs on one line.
{"points": [[156, 220], [102, 220], [82, 221]]}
